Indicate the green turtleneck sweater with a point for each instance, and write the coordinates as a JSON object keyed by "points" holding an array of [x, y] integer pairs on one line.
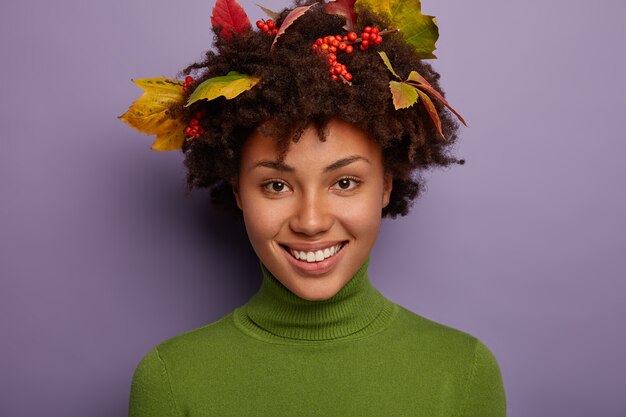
{"points": [[355, 354]]}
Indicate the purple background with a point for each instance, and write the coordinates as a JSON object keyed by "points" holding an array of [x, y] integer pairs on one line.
{"points": [[102, 256]]}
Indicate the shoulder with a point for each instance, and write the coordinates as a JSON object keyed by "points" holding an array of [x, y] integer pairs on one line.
{"points": [[188, 346], [449, 345], [444, 350]]}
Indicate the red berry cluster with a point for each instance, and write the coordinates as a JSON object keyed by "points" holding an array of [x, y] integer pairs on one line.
{"points": [[194, 130], [370, 36], [188, 81], [329, 46], [267, 26]]}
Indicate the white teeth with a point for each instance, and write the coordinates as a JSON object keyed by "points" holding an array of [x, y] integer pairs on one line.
{"points": [[316, 256]]}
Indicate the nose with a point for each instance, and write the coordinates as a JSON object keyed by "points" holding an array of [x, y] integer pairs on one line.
{"points": [[312, 216]]}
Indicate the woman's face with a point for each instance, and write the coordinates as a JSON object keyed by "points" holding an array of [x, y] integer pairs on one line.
{"points": [[314, 218]]}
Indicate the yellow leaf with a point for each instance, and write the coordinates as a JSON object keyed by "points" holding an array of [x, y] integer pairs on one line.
{"points": [[229, 86], [149, 114]]}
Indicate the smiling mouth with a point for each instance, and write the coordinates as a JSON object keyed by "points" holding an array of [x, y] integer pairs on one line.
{"points": [[314, 256]]}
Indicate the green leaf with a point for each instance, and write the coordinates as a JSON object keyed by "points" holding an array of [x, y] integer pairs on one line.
{"points": [[403, 94], [229, 86], [420, 31], [385, 58]]}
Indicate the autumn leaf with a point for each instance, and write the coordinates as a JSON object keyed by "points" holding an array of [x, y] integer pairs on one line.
{"points": [[403, 97], [432, 112], [230, 17], [343, 8], [385, 58], [403, 94], [420, 82], [291, 17], [229, 86], [274, 15], [150, 115], [420, 31]]}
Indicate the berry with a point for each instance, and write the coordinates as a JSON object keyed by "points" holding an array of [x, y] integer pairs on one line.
{"points": [[375, 31], [367, 29], [349, 49], [352, 36], [259, 24], [271, 24], [365, 36]]}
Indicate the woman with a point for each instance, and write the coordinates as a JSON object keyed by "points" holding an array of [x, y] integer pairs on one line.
{"points": [[313, 127]]}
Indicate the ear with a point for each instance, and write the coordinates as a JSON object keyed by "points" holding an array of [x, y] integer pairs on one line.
{"points": [[234, 182], [387, 187]]}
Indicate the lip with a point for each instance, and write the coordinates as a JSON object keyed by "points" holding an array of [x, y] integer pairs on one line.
{"points": [[314, 268], [312, 247]]}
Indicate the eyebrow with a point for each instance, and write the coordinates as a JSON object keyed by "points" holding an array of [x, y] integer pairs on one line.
{"points": [[280, 166]]}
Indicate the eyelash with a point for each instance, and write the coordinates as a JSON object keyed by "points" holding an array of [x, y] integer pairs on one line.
{"points": [[266, 185], [354, 180]]}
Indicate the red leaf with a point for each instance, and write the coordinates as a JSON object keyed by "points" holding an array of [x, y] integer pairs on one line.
{"points": [[230, 17], [432, 111], [343, 8], [417, 80], [291, 17]]}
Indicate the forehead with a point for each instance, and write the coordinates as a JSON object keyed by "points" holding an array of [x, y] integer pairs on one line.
{"points": [[343, 140]]}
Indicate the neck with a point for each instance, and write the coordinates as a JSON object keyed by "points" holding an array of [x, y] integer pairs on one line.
{"points": [[274, 312]]}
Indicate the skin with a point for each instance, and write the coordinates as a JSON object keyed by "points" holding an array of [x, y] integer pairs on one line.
{"points": [[323, 194]]}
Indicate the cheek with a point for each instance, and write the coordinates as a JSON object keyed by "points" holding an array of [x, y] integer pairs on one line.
{"points": [[362, 217], [263, 219]]}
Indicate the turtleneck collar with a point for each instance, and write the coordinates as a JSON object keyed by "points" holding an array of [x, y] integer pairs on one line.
{"points": [[275, 313]]}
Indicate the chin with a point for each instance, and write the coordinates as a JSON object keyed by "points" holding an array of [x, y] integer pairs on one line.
{"points": [[319, 293]]}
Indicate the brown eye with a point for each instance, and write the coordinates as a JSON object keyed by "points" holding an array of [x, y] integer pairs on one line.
{"points": [[275, 187], [278, 186], [346, 184]]}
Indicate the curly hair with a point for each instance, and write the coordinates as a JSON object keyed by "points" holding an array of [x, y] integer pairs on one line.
{"points": [[296, 91]]}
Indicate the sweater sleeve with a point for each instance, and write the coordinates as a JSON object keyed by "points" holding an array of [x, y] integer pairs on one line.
{"points": [[151, 393], [485, 396]]}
